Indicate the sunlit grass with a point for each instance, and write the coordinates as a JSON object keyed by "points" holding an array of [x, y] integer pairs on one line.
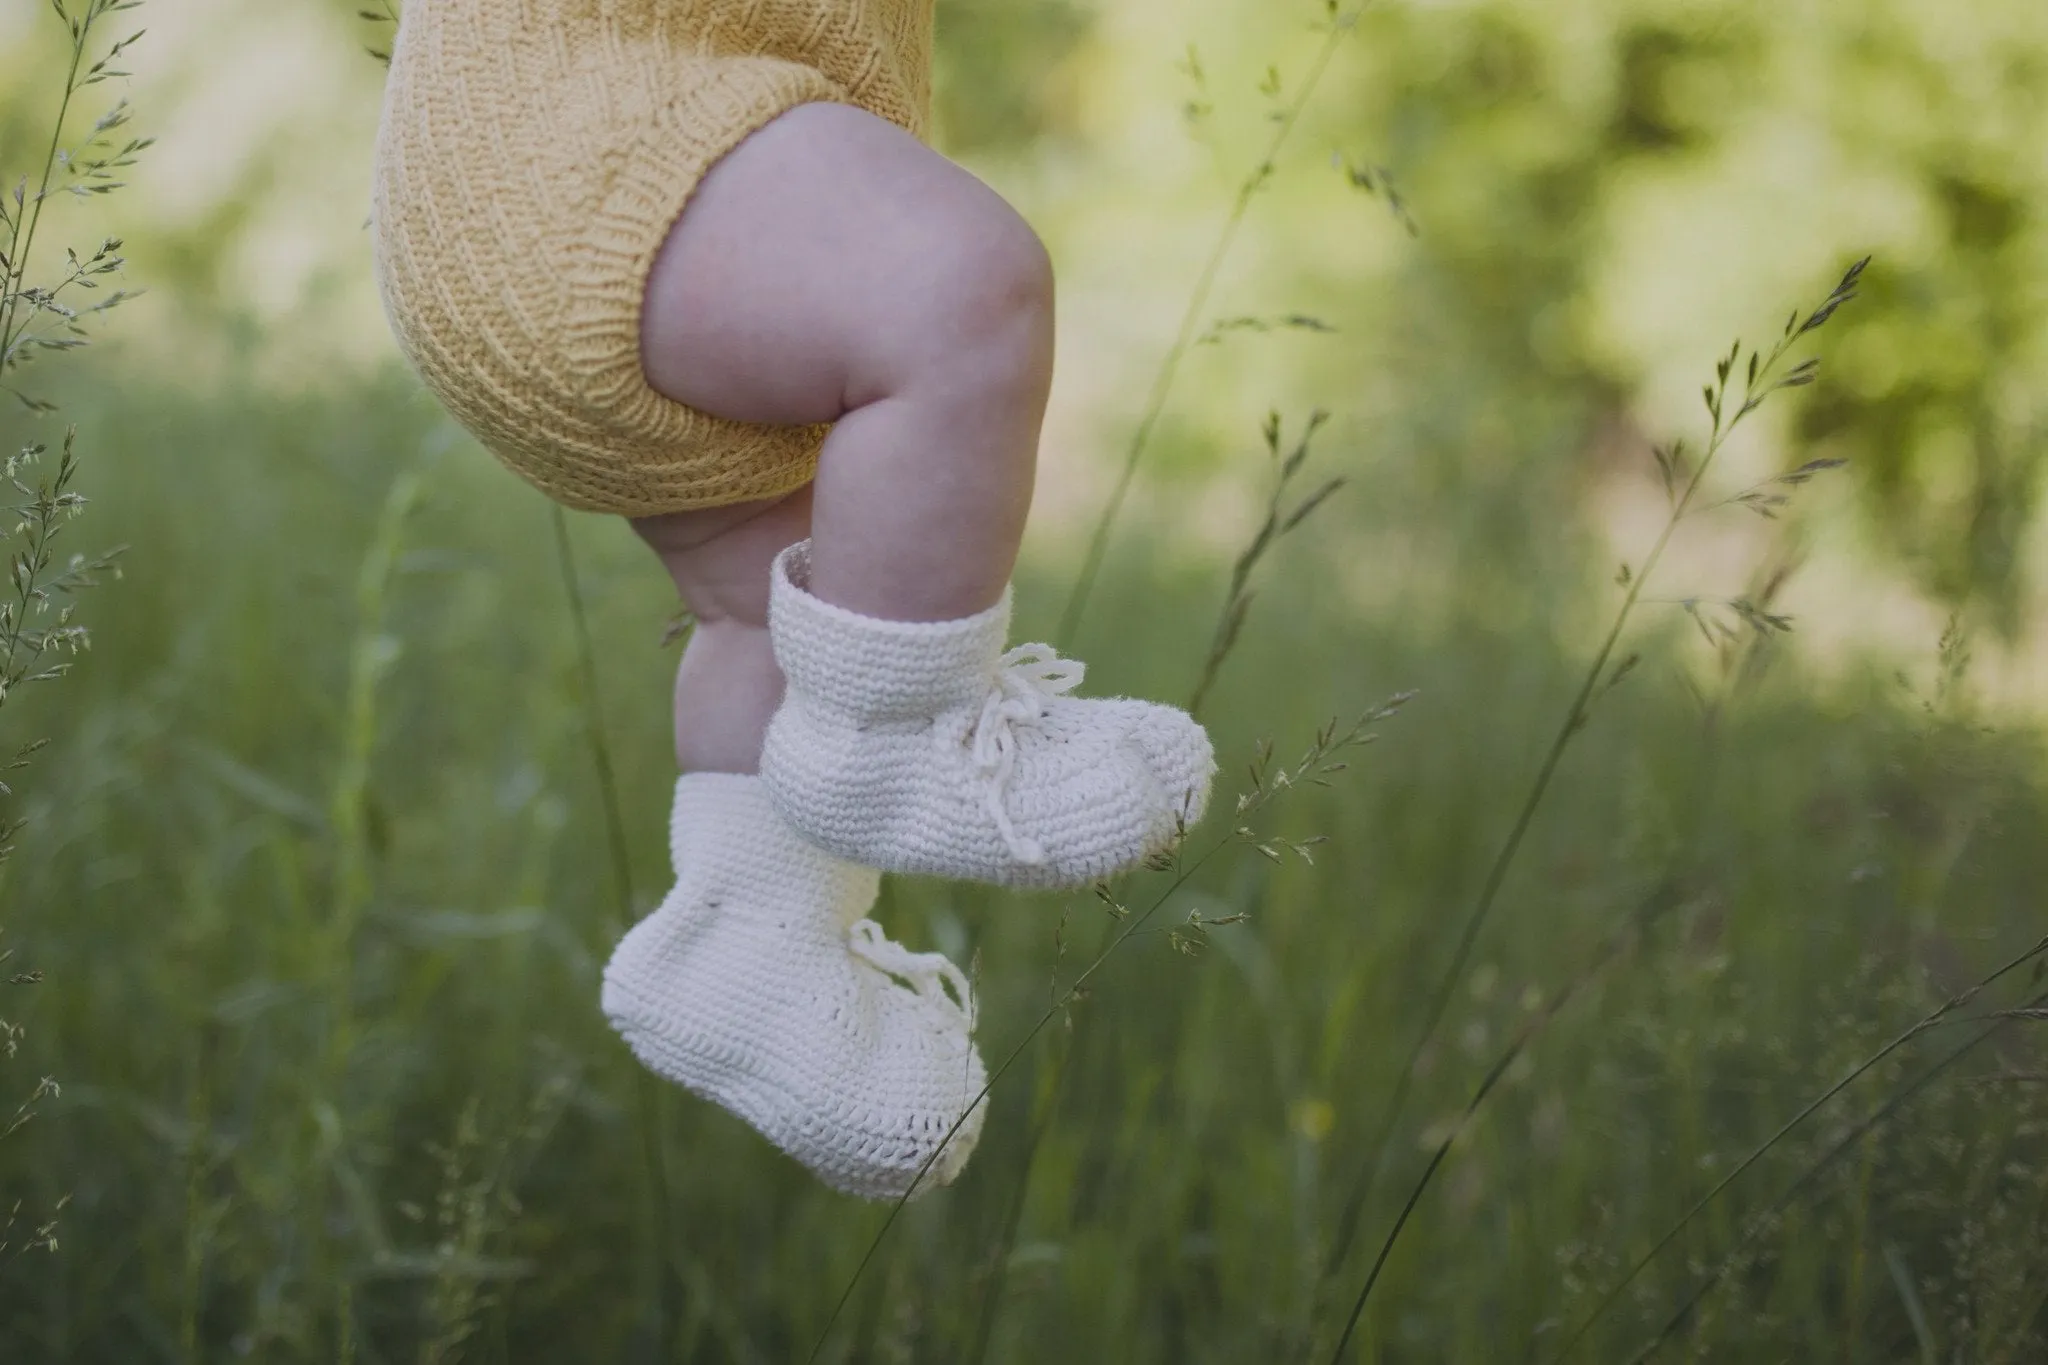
{"points": [[331, 846]]}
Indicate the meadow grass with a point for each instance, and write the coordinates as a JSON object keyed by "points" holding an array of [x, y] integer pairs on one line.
{"points": [[366, 776], [321, 884], [45, 312]]}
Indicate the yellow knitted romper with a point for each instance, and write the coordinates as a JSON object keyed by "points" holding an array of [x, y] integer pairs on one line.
{"points": [[531, 159]]}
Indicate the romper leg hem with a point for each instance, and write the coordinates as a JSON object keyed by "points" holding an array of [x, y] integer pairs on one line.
{"points": [[663, 458]]}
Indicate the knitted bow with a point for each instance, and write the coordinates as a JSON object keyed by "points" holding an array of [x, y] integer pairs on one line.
{"points": [[1027, 678], [927, 973]]}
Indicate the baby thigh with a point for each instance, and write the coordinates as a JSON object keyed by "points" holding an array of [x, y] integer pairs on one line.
{"points": [[832, 268]]}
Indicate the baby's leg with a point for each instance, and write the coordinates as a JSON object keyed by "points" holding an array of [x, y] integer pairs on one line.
{"points": [[728, 685], [758, 983], [832, 268]]}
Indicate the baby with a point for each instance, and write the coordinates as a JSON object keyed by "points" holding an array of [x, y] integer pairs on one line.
{"points": [[691, 262]]}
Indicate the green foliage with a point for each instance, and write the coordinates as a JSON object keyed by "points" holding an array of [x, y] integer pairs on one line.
{"points": [[999, 82], [39, 634], [327, 873], [360, 709], [1591, 181], [37, 318]]}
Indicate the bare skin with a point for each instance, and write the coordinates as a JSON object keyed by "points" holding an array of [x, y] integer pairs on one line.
{"points": [[832, 268]]}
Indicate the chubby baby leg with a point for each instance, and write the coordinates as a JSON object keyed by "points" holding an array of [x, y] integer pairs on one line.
{"points": [[758, 983], [728, 685], [834, 269]]}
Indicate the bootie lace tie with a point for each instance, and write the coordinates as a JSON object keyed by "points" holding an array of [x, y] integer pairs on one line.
{"points": [[1027, 679], [928, 973]]}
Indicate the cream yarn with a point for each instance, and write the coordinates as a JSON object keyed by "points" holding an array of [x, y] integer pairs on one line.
{"points": [[922, 747], [759, 986]]}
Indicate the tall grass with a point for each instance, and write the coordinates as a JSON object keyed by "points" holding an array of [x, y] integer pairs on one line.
{"points": [[341, 834], [1338, 23], [1211, 1107], [40, 316], [1683, 481]]}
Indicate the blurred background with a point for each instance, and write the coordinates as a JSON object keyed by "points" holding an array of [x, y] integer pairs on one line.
{"points": [[318, 873]]}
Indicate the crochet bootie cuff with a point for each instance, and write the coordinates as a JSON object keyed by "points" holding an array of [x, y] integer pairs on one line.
{"points": [[716, 814], [875, 669]]}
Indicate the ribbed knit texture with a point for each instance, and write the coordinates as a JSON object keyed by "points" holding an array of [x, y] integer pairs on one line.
{"points": [[922, 747], [759, 986], [531, 160]]}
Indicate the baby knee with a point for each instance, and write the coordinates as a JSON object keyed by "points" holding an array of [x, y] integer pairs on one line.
{"points": [[993, 287], [963, 301]]}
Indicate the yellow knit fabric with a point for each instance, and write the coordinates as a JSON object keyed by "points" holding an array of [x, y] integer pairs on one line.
{"points": [[531, 159]]}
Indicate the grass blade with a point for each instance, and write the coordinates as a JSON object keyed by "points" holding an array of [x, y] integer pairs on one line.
{"points": [[1328, 743], [647, 1094], [1877, 1119], [1574, 720], [1169, 368], [1615, 946], [1923, 1025], [1916, 1312]]}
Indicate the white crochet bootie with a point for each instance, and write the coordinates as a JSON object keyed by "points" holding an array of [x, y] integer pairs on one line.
{"points": [[759, 986], [922, 747]]}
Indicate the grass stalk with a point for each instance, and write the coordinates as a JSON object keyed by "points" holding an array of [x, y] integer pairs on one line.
{"points": [[22, 240], [1279, 522], [91, 164], [1925, 1024], [196, 1156], [1169, 369], [1876, 1119], [371, 655], [1739, 662], [1761, 382], [48, 502], [1047, 1106], [1320, 761], [593, 726], [647, 1095], [1616, 945], [997, 1074]]}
